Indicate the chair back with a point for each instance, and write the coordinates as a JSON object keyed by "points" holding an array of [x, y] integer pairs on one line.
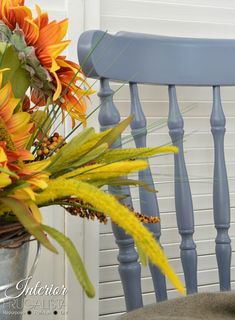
{"points": [[135, 59]]}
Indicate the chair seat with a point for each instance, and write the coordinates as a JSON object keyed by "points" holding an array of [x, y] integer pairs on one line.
{"points": [[204, 306]]}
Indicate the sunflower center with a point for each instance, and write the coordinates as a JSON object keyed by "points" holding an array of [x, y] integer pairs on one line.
{"points": [[5, 136]]}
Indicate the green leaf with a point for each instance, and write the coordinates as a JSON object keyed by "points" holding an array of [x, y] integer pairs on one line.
{"points": [[43, 126], [92, 155], [42, 121], [74, 258], [64, 155], [18, 184], [123, 182], [10, 173], [81, 138], [17, 75], [25, 217], [20, 83], [116, 132]]}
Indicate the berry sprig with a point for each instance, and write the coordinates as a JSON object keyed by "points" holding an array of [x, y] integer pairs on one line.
{"points": [[49, 145]]}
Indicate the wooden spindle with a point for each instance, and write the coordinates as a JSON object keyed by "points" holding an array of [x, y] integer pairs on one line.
{"points": [[148, 200], [221, 201], [129, 267], [183, 196]]}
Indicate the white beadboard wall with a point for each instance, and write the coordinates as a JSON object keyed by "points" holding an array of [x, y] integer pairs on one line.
{"points": [[51, 267], [193, 18], [55, 269]]}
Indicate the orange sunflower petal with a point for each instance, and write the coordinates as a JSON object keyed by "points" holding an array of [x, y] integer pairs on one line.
{"points": [[58, 87], [18, 121], [34, 167]]}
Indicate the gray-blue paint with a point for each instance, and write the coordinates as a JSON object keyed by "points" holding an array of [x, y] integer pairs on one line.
{"points": [[148, 200], [183, 196], [141, 58], [149, 59], [221, 202], [129, 267]]}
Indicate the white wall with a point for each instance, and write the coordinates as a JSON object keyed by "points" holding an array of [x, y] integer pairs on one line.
{"points": [[181, 18], [191, 18], [55, 269]]}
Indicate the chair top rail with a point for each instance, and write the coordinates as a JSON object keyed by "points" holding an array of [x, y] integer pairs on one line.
{"points": [[153, 59]]}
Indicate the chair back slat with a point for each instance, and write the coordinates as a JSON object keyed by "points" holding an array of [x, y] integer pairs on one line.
{"points": [[183, 196], [221, 201], [129, 267], [148, 200], [154, 59]]}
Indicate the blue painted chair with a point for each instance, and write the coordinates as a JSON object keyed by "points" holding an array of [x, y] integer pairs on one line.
{"points": [[149, 59]]}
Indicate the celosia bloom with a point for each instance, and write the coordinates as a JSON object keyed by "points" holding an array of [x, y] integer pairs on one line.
{"points": [[45, 38]]}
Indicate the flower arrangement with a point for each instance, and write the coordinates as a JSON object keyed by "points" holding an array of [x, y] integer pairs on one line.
{"points": [[39, 167]]}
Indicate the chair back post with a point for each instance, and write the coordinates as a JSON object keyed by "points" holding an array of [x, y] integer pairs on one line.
{"points": [[148, 200], [221, 200], [183, 196], [129, 267]]}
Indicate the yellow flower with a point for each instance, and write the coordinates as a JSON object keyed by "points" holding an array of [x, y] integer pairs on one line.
{"points": [[105, 171], [60, 188], [14, 134], [14, 127]]}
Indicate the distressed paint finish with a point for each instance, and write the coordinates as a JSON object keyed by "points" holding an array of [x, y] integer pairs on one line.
{"points": [[221, 201], [148, 200], [129, 267], [183, 197]]}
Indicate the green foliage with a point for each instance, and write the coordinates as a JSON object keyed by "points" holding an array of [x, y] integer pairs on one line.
{"points": [[122, 182], [74, 258], [25, 217], [115, 133], [17, 75], [42, 125], [91, 156], [80, 150], [70, 152]]}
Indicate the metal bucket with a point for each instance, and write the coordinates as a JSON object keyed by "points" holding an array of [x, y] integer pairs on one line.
{"points": [[13, 269]]}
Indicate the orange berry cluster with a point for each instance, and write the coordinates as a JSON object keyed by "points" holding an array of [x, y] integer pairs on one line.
{"points": [[90, 213], [147, 219], [77, 207], [49, 145]]}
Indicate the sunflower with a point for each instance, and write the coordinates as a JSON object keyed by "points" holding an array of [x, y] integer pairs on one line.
{"points": [[17, 163], [60, 77], [14, 127], [4, 175]]}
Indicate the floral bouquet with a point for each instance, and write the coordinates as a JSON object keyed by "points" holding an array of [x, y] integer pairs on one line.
{"points": [[38, 166]]}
